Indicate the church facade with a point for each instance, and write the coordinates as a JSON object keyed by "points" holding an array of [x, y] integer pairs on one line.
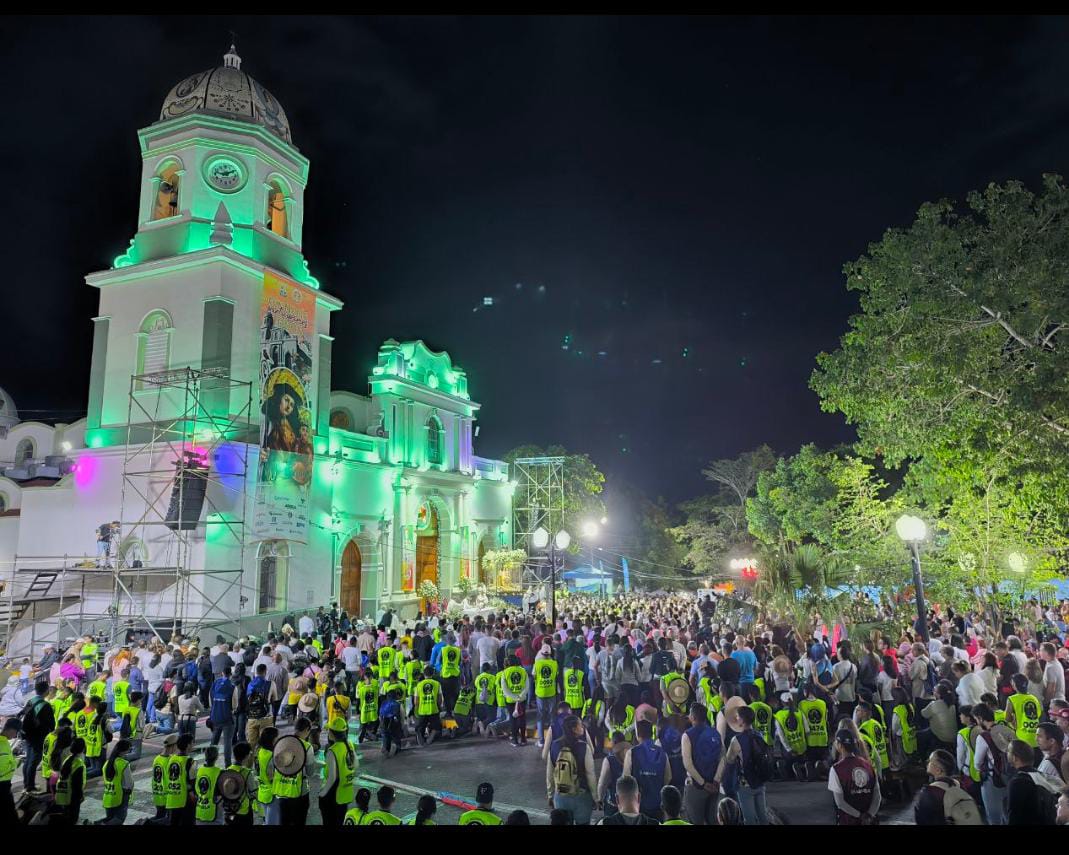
{"points": [[244, 486]]}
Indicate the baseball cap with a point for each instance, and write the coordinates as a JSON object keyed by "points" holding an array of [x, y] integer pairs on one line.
{"points": [[171, 739], [485, 793]]}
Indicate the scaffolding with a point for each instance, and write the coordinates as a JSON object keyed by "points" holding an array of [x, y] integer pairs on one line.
{"points": [[538, 503], [200, 449]]}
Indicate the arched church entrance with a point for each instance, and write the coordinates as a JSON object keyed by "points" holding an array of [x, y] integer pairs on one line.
{"points": [[427, 539], [350, 579]]}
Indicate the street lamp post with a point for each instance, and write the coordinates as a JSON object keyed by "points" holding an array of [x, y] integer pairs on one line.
{"points": [[540, 539], [912, 530]]}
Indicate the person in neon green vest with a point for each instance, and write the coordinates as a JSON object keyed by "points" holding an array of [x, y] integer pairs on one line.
{"points": [[672, 806], [483, 813], [339, 774], [205, 790], [118, 785], [1023, 711]]}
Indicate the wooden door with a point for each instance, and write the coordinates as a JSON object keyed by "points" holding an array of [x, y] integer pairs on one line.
{"points": [[350, 579]]}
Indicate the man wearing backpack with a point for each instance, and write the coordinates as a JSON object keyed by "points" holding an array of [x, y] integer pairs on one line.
{"points": [[1031, 797], [922, 677], [627, 797], [991, 762], [648, 764], [745, 768], [944, 801], [259, 705], [38, 720], [570, 781]]}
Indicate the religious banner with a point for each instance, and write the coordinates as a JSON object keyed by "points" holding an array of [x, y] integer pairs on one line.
{"points": [[408, 576], [284, 474]]}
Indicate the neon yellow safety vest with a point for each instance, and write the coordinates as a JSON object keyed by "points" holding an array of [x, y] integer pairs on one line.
{"points": [[795, 738], [627, 727], [94, 736], [1026, 712], [873, 755], [291, 786], [760, 683], [8, 763], [412, 672], [379, 817], [244, 803], [1000, 715], [177, 781], [81, 723], [762, 723], [121, 690], [345, 758], [484, 686], [159, 783], [98, 689], [46, 755], [479, 817], [450, 662], [89, 655], [573, 688], [353, 816], [264, 782], [815, 713], [878, 736], [64, 787], [909, 731], [675, 822], [113, 794], [514, 683], [368, 694], [386, 662], [132, 716], [464, 701], [599, 709], [706, 694], [427, 697], [204, 790], [545, 677], [965, 733]]}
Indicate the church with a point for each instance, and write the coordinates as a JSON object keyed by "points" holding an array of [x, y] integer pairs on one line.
{"points": [[226, 481]]}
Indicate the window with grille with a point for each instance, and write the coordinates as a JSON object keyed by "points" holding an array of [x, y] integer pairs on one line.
{"points": [[154, 344]]}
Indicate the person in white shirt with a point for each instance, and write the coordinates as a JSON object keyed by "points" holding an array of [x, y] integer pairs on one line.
{"points": [[1017, 652], [970, 686], [488, 647], [1053, 674], [306, 625]]}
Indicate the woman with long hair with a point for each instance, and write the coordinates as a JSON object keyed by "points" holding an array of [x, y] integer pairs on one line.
{"points": [[425, 809], [628, 674], [989, 673], [853, 781]]}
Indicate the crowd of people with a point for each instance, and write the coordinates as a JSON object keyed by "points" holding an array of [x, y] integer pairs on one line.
{"points": [[644, 709]]}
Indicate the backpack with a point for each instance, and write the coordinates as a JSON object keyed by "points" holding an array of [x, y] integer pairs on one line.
{"points": [[824, 675], [931, 679], [998, 741], [31, 724], [958, 806], [189, 673], [160, 700], [566, 773], [1047, 792], [761, 767], [257, 705]]}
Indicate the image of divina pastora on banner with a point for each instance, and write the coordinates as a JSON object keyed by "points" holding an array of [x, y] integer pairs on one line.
{"points": [[284, 474]]}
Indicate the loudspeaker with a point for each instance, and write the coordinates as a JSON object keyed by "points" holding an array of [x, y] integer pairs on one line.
{"points": [[187, 498]]}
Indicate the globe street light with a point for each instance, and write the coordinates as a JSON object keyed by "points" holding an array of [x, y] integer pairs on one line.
{"points": [[912, 530], [561, 541]]}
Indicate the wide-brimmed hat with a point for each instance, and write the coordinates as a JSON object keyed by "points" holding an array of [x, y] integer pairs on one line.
{"points": [[308, 702], [731, 713]]}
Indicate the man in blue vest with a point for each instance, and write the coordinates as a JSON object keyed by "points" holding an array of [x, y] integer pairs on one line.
{"points": [[701, 755], [225, 697], [648, 764]]}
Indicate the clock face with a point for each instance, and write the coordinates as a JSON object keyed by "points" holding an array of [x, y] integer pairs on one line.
{"points": [[225, 174]]}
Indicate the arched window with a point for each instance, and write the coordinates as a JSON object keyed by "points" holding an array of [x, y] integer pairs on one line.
{"points": [[274, 572], [23, 451], [154, 344], [434, 440], [276, 219], [165, 203]]}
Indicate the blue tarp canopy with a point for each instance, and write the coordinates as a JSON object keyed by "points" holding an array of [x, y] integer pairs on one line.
{"points": [[587, 572]]}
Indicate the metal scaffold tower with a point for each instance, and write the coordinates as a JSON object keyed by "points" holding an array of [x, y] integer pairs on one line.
{"points": [[538, 503], [185, 470]]}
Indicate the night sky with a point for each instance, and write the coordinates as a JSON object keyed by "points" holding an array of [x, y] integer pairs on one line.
{"points": [[672, 200]]}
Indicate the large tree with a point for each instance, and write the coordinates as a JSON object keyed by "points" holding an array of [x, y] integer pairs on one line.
{"points": [[957, 369], [961, 339]]}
